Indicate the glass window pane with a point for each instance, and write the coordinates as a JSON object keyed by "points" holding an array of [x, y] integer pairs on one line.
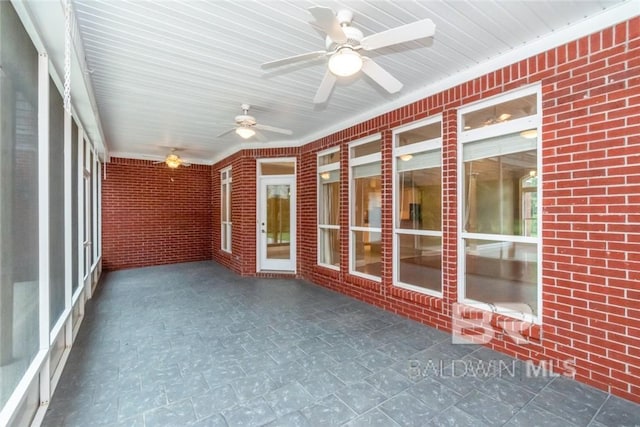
{"points": [[498, 146], [327, 159], [223, 237], [19, 291], [420, 261], [367, 202], [426, 159], [365, 149], [421, 134], [56, 204], [370, 169], [500, 113], [501, 272], [494, 200], [366, 256], [328, 210], [277, 168], [229, 186], [330, 176], [419, 200], [223, 202], [329, 246], [75, 282]]}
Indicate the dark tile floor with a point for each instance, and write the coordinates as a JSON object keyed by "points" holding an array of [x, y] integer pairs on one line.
{"points": [[196, 345]]}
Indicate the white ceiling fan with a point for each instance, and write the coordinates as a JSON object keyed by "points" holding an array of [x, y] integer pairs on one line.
{"points": [[173, 160], [343, 43], [246, 125]]}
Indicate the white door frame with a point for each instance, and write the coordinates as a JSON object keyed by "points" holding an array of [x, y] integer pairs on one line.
{"points": [[264, 264]]}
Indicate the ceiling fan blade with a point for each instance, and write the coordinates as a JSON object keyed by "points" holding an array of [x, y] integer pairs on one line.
{"points": [[326, 86], [292, 59], [380, 76], [226, 132], [326, 19], [260, 137], [273, 129], [404, 33]]}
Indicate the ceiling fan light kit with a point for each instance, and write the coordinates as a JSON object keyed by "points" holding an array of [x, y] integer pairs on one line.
{"points": [[247, 125], [173, 161], [345, 62], [245, 132], [343, 43]]}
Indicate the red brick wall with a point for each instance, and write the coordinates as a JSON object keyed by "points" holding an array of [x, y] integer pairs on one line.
{"points": [[591, 204], [243, 207], [154, 215]]}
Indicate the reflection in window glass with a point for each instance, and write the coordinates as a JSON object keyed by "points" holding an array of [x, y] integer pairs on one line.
{"points": [[329, 209], [419, 201], [418, 208], [495, 200], [420, 261], [367, 202], [366, 209], [501, 272], [499, 208], [501, 113], [366, 252], [329, 246]]}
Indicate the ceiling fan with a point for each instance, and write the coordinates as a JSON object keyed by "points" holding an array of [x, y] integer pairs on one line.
{"points": [[174, 161], [246, 125], [343, 43]]}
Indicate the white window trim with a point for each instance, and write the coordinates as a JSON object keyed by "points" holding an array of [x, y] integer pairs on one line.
{"points": [[357, 161], [513, 126], [325, 168], [226, 225], [417, 147]]}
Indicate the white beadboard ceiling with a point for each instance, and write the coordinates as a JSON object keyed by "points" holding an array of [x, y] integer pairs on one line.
{"points": [[174, 73]]}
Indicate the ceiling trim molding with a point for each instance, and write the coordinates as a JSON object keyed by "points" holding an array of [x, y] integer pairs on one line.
{"points": [[607, 18]]}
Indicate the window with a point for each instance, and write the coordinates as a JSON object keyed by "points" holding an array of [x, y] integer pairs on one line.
{"points": [[75, 178], [225, 209], [87, 199], [56, 206], [365, 216], [19, 206], [499, 253], [329, 208], [418, 207]]}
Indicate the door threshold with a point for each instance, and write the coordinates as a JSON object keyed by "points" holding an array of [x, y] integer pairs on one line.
{"points": [[277, 274]]}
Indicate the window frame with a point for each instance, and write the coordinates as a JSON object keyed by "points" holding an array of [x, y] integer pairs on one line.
{"points": [[330, 167], [494, 131], [353, 162], [226, 178], [398, 151]]}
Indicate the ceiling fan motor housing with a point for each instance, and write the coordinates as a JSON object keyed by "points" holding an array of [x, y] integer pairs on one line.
{"points": [[354, 36], [245, 120]]}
